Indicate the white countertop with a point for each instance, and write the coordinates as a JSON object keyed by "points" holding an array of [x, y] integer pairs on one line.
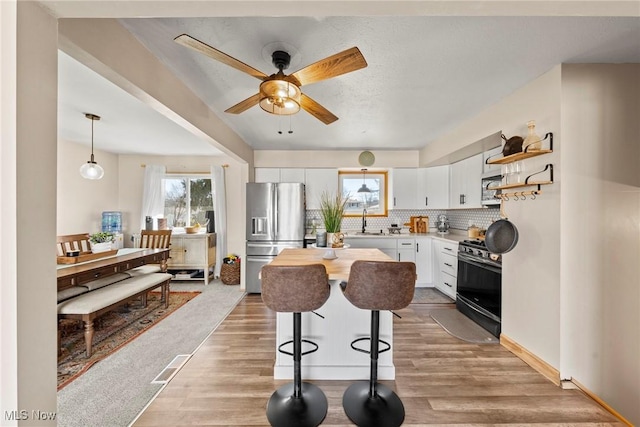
{"points": [[454, 235]]}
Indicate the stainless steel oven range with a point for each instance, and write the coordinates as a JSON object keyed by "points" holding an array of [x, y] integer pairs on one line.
{"points": [[479, 285]]}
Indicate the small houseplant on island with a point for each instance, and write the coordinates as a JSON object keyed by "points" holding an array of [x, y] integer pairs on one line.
{"points": [[332, 208], [101, 242]]}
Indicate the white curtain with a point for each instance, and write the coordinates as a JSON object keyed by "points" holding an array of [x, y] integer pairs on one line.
{"points": [[220, 209], [153, 193]]}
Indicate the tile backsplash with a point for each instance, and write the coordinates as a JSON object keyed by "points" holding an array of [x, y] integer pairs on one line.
{"points": [[458, 218]]}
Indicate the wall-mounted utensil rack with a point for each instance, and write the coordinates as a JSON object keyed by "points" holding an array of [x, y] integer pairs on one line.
{"points": [[525, 154], [528, 182]]}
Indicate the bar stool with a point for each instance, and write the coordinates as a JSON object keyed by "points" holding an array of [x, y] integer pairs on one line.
{"points": [[296, 289], [375, 286]]}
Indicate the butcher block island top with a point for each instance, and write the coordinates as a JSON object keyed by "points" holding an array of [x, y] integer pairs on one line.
{"points": [[341, 323], [338, 268]]}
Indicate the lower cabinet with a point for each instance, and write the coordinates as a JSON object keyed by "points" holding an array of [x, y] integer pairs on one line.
{"points": [[424, 261], [412, 249], [445, 266], [193, 252]]}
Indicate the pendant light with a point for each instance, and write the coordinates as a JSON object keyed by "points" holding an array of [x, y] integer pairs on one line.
{"points": [[364, 188], [91, 170]]}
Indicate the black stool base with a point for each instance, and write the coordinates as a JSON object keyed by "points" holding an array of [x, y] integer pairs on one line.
{"points": [[308, 410], [383, 410]]}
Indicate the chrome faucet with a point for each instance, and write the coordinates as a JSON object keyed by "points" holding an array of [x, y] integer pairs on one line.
{"points": [[364, 219]]}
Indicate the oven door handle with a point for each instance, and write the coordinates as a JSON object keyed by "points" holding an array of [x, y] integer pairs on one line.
{"points": [[480, 264]]}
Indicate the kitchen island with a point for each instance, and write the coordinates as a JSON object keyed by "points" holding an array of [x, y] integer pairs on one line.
{"points": [[342, 323]]}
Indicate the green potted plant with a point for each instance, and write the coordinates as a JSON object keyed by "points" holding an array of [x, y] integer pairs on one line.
{"points": [[332, 208], [101, 242]]}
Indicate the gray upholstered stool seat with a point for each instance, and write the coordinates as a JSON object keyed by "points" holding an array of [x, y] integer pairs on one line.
{"points": [[375, 286], [296, 289]]}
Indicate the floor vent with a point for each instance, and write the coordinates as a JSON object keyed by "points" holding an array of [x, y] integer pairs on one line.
{"points": [[171, 369]]}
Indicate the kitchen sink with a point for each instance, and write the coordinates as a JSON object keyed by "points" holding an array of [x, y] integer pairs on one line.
{"points": [[371, 233]]}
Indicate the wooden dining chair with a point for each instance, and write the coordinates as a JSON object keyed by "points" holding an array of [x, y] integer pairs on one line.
{"points": [[155, 239], [73, 242], [152, 239]]}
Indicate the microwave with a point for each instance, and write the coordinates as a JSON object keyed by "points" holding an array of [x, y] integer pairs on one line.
{"points": [[488, 196]]}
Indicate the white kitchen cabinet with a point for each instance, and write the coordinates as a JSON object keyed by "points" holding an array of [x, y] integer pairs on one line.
{"points": [[406, 249], [465, 183], [193, 252], [445, 266], [387, 245], [292, 175], [317, 181], [404, 182], [267, 175], [424, 261], [279, 175], [433, 187]]}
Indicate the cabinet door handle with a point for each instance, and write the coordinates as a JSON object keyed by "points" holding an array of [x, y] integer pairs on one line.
{"points": [[398, 257], [417, 247], [448, 249], [448, 265], [394, 201], [448, 285]]}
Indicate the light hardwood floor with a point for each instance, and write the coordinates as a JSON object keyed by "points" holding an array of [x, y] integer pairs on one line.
{"points": [[440, 379]]}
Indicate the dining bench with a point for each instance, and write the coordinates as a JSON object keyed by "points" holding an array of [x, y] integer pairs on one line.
{"points": [[107, 293]]}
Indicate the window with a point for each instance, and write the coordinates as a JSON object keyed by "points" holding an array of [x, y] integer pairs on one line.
{"points": [[375, 202], [186, 200]]}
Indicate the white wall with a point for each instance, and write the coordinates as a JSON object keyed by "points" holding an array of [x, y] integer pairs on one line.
{"points": [[601, 232], [131, 181], [28, 170], [531, 271], [82, 201]]}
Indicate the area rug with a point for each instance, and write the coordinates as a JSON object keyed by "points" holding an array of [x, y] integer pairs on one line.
{"points": [[112, 331], [430, 296], [460, 326]]}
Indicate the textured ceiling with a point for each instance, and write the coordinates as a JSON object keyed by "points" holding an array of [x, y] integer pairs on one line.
{"points": [[425, 75]]}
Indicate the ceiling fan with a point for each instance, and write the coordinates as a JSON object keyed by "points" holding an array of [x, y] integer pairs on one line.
{"points": [[280, 93]]}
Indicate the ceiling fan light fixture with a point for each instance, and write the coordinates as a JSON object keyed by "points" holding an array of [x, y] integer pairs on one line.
{"points": [[279, 97], [91, 169]]}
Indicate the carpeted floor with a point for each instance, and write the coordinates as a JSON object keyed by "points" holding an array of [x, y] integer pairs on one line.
{"points": [[116, 389], [111, 331], [430, 296]]}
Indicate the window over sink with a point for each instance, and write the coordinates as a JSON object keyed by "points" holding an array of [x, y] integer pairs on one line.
{"points": [[374, 201]]}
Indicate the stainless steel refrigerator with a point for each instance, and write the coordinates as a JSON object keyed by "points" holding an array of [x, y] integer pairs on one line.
{"points": [[275, 220]]}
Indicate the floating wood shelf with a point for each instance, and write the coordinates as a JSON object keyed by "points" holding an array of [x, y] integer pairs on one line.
{"points": [[527, 153], [520, 185], [518, 156], [527, 183]]}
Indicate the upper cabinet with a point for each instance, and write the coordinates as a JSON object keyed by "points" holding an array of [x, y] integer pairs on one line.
{"points": [[433, 188], [279, 175], [404, 193], [267, 175], [465, 183], [318, 180]]}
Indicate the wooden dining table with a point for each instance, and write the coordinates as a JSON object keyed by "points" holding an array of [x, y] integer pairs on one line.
{"points": [[341, 322]]}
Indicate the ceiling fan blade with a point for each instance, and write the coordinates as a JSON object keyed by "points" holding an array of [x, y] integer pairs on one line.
{"points": [[317, 110], [332, 66], [205, 49], [244, 105]]}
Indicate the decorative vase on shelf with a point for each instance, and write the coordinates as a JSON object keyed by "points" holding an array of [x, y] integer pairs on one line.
{"points": [[532, 142]]}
